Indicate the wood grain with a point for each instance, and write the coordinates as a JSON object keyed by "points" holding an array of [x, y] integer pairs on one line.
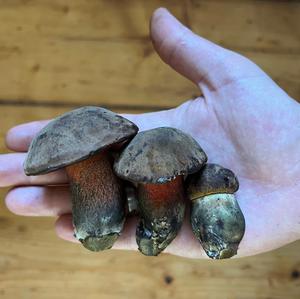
{"points": [[126, 73], [75, 53], [264, 26], [85, 51], [58, 54], [75, 19]]}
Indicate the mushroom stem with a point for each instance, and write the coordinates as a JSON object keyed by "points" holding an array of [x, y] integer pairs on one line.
{"points": [[218, 223], [161, 207], [98, 204]]}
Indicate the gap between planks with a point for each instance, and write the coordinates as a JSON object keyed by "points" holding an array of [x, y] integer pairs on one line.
{"points": [[45, 103]]}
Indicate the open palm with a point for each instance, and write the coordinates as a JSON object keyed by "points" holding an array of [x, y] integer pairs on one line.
{"points": [[243, 121]]}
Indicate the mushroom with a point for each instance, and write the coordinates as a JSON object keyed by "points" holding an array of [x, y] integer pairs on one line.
{"points": [[157, 161], [216, 218], [80, 140]]}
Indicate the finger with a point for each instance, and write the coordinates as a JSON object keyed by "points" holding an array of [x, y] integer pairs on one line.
{"points": [[19, 138], [12, 173], [64, 228], [196, 58], [185, 243], [39, 201]]}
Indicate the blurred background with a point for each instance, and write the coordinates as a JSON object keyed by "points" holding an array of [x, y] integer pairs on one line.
{"points": [[58, 55]]}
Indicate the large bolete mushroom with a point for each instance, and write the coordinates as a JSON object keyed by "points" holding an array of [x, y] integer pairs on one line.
{"points": [[157, 160], [80, 141], [216, 218]]}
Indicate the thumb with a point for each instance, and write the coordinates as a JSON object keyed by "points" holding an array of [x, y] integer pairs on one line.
{"points": [[196, 58]]}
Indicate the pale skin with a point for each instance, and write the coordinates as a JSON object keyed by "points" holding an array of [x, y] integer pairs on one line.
{"points": [[243, 121]]}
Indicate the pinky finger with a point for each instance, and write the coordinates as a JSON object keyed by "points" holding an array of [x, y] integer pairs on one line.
{"points": [[64, 228]]}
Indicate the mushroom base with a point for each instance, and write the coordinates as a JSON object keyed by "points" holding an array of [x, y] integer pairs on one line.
{"points": [[98, 203], [219, 224], [161, 208]]}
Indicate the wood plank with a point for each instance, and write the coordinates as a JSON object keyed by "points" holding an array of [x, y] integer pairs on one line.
{"points": [[50, 53], [98, 51], [94, 19], [126, 73], [270, 26], [35, 264], [240, 24], [91, 50]]}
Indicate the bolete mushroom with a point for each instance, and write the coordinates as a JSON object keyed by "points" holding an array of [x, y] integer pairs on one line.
{"points": [[157, 161], [80, 141], [216, 218]]}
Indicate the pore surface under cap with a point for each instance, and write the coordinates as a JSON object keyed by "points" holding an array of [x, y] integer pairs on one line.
{"points": [[159, 155], [74, 136]]}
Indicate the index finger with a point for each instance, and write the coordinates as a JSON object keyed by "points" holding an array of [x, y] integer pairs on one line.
{"points": [[19, 138]]}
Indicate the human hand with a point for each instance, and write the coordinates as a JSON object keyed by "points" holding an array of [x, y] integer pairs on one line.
{"points": [[243, 121]]}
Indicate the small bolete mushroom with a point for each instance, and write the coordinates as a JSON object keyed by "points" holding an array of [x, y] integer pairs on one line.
{"points": [[79, 140], [216, 218], [157, 160]]}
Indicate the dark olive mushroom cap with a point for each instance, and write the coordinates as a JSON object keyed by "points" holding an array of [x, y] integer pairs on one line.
{"points": [[74, 136], [159, 155], [212, 179]]}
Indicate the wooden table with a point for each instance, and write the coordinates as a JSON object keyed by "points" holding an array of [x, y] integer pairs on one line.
{"points": [[56, 55]]}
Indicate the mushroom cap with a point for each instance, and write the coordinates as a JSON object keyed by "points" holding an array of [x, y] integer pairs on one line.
{"points": [[212, 179], [159, 155], [74, 136]]}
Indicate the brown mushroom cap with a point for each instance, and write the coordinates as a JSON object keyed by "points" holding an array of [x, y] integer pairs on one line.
{"points": [[212, 179], [159, 155], [75, 136]]}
